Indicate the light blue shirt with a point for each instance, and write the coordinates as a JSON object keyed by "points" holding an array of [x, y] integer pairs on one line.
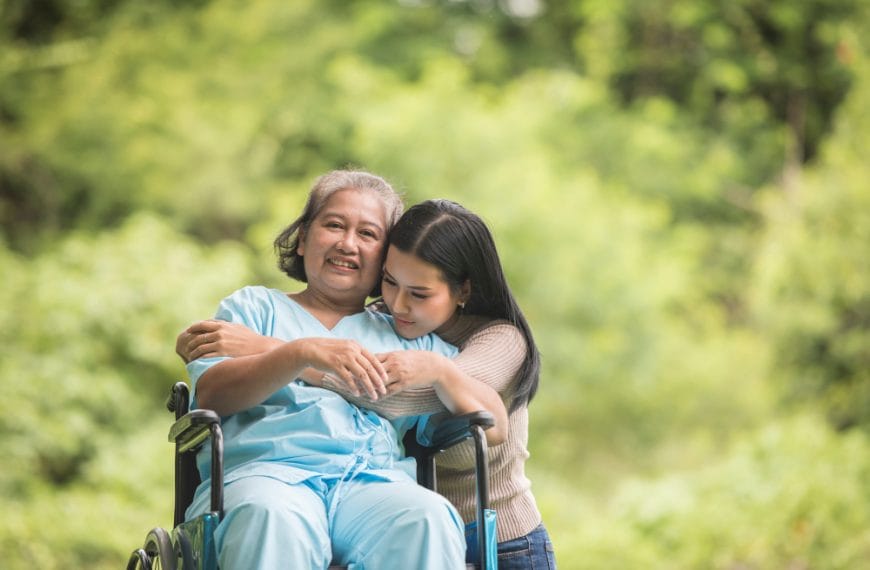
{"points": [[302, 432]]}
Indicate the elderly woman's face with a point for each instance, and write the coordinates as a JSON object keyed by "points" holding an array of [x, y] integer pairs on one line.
{"points": [[344, 245]]}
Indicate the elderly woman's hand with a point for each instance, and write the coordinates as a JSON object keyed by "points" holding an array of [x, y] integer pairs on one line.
{"points": [[221, 338], [347, 361]]}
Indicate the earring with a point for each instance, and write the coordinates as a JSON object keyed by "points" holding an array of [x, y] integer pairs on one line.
{"points": [[461, 305]]}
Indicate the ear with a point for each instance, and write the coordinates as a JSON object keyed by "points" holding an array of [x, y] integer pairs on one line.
{"points": [[465, 291], [300, 247]]}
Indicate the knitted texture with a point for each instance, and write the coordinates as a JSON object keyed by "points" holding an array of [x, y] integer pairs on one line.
{"points": [[491, 352]]}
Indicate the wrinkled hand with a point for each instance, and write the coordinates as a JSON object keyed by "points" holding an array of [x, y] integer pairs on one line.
{"points": [[348, 361], [220, 338], [410, 369]]}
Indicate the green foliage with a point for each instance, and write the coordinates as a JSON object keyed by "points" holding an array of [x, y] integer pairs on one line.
{"points": [[153, 118], [678, 194], [87, 359], [717, 60], [791, 494], [813, 271]]}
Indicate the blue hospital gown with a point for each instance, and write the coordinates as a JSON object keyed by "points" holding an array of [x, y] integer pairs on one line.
{"points": [[307, 435]]}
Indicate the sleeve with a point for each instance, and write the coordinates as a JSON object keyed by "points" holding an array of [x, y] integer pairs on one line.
{"points": [[245, 306], [414, 402], [493, 355]]}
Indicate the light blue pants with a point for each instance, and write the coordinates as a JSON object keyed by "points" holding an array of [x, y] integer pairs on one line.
{"points": [[269, 524]]}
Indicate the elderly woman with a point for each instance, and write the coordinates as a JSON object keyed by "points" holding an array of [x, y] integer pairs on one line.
{"points": [[310, 477]]}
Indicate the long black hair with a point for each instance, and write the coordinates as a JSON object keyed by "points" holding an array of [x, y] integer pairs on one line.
{"points": [[457, 241]]}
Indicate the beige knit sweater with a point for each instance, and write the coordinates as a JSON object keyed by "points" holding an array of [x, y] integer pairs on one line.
{"points": [[491, 352]]}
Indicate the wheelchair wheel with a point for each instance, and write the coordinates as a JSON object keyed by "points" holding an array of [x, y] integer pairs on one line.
{"points": [[139, 560], [158, 547], [183, 550]]}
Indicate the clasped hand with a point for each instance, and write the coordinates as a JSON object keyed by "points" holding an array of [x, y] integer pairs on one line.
{"points": [[333, 363], [402, 370]]}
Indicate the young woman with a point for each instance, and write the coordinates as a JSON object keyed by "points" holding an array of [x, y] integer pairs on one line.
{"points": [[442, 273]]}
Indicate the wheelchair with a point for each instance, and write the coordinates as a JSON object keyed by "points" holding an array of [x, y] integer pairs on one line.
{"points": [[190, 544]]}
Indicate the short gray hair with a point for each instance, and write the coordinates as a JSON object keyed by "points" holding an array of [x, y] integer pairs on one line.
{"points": [[287, 242]]}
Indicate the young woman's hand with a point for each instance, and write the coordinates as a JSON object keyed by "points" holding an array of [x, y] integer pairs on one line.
{"points": [[412, 369], [221, 338], [460, 393]]}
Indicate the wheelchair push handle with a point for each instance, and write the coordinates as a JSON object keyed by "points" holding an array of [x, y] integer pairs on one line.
{"points": [[446, 430]]}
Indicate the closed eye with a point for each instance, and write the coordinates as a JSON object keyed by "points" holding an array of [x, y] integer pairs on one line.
{"points": [[390, 282]]}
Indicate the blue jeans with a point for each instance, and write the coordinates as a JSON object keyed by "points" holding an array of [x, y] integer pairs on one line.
{"points": [[531, 552]]}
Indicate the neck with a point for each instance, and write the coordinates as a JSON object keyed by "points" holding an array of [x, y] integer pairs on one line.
{"points": [[325, 309], [460, 327], [449, 324]]}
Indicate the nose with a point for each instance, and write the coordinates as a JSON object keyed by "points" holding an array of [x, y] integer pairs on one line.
{"points": [[347, 243], [400, 305]]}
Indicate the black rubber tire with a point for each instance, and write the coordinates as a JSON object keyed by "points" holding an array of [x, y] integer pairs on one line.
{"points": [[139, 560], [158, 546]]}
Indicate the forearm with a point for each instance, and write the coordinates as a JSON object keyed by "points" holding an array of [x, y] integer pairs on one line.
{"points": [[462, 394], [237, 384], [205, 339], [410, 402]]}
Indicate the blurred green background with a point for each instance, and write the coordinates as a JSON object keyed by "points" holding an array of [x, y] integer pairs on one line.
{"points": [[679, 190]]}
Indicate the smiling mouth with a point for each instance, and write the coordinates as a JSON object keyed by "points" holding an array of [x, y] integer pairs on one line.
{"points": [[343, 263]]}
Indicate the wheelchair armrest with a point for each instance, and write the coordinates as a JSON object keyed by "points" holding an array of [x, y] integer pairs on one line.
{"points": [[446, 430], [188, 433], [192, 429]]}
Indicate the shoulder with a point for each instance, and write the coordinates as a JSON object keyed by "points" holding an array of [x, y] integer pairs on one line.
{"points": [[249, 304], [494, 353], [258, 295], [255, 292], [246, 294], [496, 331]]}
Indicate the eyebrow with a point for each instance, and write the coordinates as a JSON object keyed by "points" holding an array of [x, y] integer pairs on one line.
{"points": [[326, 214], [415, 287]]}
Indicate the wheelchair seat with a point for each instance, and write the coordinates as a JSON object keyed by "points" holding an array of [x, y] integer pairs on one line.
{"points": [[190, 544]]}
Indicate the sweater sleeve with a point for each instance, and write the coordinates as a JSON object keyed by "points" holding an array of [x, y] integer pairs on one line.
{"points": [[493, 355]]}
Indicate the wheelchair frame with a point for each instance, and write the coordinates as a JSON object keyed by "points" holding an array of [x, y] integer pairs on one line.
{"points": [[190, 545]]}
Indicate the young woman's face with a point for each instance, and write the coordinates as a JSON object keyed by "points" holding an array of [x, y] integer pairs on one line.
{"points": [[344, 244], [417, 295]]}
